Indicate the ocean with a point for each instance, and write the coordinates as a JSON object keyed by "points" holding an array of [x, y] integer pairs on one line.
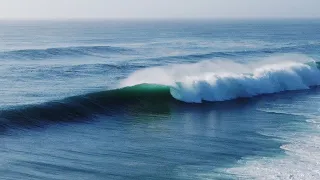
{"points": [[163, 99]]}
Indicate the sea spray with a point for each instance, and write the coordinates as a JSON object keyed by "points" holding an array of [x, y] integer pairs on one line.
{"points": [[226, 80]]}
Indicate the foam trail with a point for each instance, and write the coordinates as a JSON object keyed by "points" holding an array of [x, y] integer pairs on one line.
{"points": [[301, 160], [226, 80]]}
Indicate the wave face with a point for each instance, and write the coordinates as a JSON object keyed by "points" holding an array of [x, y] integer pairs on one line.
{"points": [[137, 99], [61, 52], [222, 80]]}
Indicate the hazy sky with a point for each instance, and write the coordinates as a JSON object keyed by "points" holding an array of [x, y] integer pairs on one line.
{"points": [[69, 9]]}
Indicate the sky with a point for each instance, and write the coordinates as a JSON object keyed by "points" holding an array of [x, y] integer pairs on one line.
{"points": [[158, 9]]}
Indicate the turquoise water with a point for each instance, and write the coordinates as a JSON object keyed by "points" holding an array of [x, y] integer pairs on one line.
{"points": [[159, 100]]}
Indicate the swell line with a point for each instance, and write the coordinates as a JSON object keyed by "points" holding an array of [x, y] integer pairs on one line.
{"points": [[309, 48], [62, 52]]}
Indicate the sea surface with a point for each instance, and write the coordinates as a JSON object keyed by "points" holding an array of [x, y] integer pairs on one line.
{"points": [[176, 100]]}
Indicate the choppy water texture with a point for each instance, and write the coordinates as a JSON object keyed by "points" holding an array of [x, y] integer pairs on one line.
{"points": [[160, 100]]}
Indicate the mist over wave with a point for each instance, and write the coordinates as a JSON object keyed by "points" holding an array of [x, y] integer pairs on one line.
{"points": [[226, 80]]}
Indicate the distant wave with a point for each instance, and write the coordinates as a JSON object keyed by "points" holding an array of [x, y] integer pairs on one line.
{"points": [[304, 49], [62, 52], [104, 51]]}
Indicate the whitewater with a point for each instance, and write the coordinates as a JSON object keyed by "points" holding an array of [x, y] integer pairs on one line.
{"points": [[226, 80]]}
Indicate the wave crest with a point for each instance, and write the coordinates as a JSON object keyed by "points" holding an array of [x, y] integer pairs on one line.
{"points": [[223, 80]]}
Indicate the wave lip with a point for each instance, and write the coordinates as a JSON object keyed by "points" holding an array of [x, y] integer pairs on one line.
{"points": [[62, 52]]}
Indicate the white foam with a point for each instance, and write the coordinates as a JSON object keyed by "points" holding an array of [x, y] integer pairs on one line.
{"points": [[302, 151], [226, 80], [302, 161]]}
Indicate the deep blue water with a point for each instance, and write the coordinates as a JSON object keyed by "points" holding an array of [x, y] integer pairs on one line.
{"points": [[159, 100]]}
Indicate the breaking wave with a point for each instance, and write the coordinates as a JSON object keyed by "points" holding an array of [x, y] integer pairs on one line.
{"points": [[156, 89], [223, 80]]}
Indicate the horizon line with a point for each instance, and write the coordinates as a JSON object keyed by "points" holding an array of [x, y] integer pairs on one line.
{"points": [[158, 19]]}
